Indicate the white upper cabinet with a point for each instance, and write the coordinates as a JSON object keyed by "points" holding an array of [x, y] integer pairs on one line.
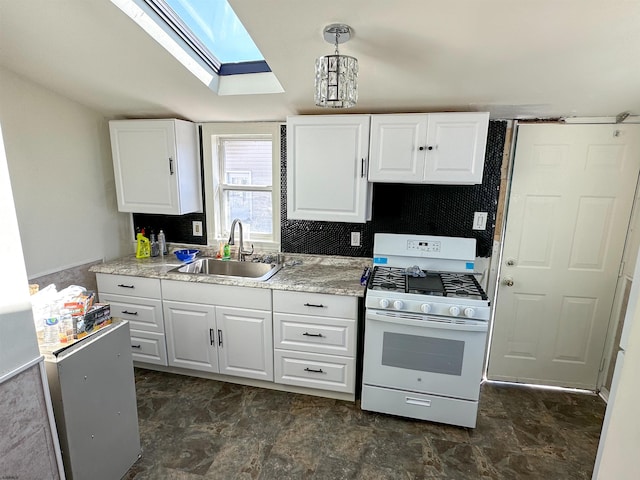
{"points": [[444, 148], [156, 166], [327, 158]]}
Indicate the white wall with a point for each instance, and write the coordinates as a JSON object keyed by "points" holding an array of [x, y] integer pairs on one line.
{"points": [[17, 332], [620, 442], [60, 168]]}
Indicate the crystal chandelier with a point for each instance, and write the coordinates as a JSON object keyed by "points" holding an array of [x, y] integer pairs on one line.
{"points": [[336, 75]]}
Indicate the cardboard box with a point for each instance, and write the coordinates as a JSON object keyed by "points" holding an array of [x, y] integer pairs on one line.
{"points": [[98, 316]]}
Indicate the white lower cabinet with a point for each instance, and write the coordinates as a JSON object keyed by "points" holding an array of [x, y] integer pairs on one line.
{"points": [[315, 340], [191, 336], [210, 331], [137, 300]]}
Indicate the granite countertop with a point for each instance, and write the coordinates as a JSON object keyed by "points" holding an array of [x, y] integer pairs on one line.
{"points": [[304, 273]]}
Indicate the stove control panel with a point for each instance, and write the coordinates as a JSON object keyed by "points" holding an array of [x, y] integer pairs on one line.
{"points": [[424, 246]]}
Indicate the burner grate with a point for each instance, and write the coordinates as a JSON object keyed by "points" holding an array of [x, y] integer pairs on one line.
{"points": [[462, 285], [388, 278]]}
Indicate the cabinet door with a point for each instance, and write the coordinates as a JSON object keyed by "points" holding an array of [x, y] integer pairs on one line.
{"points": [[457, 143], [327, 168], [398, 147], [245, 344], [156, 166], [191, 336]]}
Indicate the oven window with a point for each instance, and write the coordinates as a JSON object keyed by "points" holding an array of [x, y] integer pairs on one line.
{"points": [[425, 354]]}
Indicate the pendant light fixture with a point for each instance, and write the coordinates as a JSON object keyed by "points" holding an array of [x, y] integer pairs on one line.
{"points": [[336, 75]]}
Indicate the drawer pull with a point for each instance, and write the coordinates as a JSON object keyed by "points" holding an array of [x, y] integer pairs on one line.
{"points": [[417, 401], [125, 286], [306, 334], [212, 337], [136, 346], [127, 312], [219, 338], [314, 305], [313, 371]]}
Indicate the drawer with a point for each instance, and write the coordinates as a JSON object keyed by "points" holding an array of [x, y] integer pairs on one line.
{"points": [[222, 295], [332, 336], [316, 304], [312, 370], [142, 313], [148, 347], [128, 285], [417, 405]]}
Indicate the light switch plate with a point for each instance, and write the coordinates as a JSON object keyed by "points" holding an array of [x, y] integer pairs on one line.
{"points": [[480, 221], [197, 228]]}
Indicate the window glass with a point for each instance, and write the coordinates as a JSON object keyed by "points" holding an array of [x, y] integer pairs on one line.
{"points": [[216, 25], [246, 175]]}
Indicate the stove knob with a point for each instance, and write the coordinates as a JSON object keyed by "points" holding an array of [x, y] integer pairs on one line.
{"points": [[384, 303], [455, 311], [398, 304], [469, 312], [425, 307]]}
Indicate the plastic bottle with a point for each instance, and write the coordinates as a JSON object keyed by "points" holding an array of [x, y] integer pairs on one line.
{"points": [[162, 243], [155, 247], [226, 252], [143, 249], [51, 329]]}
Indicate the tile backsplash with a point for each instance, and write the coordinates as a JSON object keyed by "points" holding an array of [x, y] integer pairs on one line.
{"points": [[397, 208]]}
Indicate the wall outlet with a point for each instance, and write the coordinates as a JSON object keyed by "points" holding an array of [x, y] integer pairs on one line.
{"points": [[197, 228], [355, 239], [480, 221]]}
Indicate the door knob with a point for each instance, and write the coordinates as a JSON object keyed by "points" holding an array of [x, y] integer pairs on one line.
{"points": [[511, 262], [508, 282]]}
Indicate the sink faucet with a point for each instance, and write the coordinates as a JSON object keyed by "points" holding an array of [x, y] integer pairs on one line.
{"points": [[241, 251]]}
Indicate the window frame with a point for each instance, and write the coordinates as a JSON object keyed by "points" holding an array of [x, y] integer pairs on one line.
{"points": [[211, 133]]}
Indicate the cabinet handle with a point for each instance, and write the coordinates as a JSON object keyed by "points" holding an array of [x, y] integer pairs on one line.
{"points": [[219, 338], [313, 371], [430, 147], [170, 166], [306, 334], [125, 286], [212, 337], [127, 312], [136, 346], [313, 305], [421, 149], [362, 169]]}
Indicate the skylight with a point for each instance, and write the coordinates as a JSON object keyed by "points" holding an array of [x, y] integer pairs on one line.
{"points": [[212, 29], [209, 40], [216, 25]]}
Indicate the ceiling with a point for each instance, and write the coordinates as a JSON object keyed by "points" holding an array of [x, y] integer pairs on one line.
{"points": [[514, 58]]}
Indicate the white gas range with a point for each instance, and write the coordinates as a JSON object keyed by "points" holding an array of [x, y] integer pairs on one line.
{"points": [[426, 325]]}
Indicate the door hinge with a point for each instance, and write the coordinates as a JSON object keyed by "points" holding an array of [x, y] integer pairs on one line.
{"points": [[602, 364], [620, 272]]}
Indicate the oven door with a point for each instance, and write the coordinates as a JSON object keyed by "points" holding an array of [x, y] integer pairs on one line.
{"points": [[421, 353]]}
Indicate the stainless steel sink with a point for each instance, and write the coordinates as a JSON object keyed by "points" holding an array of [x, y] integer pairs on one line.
{"points": [[230, 268]]}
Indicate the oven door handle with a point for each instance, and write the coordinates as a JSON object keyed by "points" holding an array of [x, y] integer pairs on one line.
{"points": [[426, 322]]}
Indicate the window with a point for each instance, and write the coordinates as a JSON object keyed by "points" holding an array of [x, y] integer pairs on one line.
{"points": [[242, 180], [245, 189]]}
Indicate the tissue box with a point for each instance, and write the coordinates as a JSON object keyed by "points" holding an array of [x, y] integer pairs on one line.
{"points": [[98, 316]]}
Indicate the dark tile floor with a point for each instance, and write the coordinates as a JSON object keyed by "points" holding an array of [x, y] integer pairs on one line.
{"points": [[193, 428]]}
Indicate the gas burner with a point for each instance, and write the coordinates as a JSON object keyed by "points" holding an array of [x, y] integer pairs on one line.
{"points": [[388, 278], [462, 285]]}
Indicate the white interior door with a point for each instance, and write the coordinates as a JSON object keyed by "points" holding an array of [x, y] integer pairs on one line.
{"points": [[571, 196]]}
